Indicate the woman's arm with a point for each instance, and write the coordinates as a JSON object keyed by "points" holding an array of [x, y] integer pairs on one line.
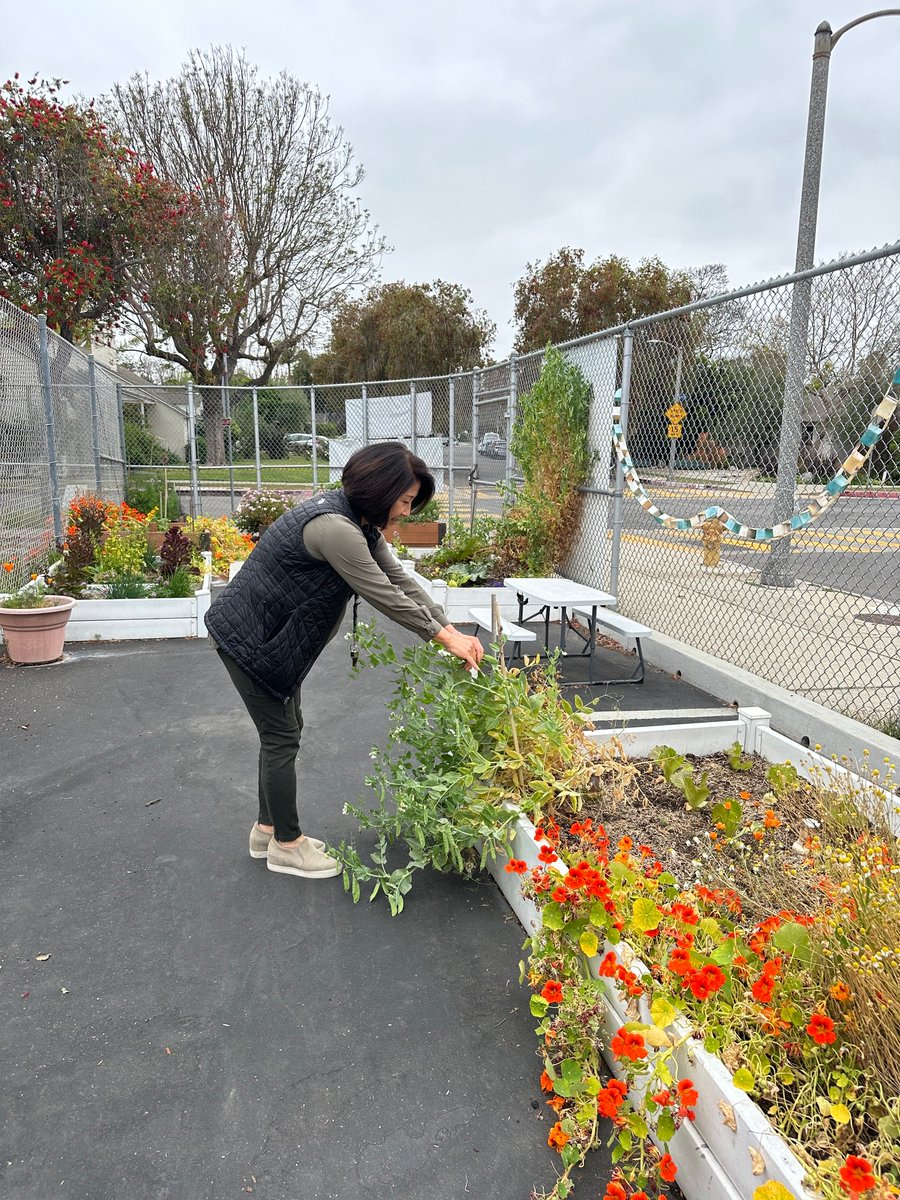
{"points": [[336, 540]]}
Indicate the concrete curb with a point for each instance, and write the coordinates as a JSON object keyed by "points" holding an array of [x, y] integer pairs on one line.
{"points": [[803, 720]]}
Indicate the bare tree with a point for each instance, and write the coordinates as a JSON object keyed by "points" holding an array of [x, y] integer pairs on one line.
{"points": [[715, 332], [277, 238]]}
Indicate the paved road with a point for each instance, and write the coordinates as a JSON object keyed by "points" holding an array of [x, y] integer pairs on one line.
{"points": [[854, 547]]}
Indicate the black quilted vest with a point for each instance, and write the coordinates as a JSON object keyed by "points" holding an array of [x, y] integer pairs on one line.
{"points": [[275, 616]]}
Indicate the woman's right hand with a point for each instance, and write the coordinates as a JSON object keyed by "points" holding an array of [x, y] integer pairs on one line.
{"points": [[469, 649]]}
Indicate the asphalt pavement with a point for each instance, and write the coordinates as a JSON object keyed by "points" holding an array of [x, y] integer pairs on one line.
{"points": [[176, 1021]]}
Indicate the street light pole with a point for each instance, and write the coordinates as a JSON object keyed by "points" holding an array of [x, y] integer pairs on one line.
{"points": [[777, 571]]}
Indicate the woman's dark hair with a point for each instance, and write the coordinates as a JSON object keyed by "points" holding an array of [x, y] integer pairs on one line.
{"points": [[378, 475]]}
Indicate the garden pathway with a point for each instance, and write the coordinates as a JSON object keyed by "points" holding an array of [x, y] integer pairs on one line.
{"points": [[205, 1028]]}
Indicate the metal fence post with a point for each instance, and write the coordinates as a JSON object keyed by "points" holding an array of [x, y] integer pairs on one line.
{"points": [[511, 407], [473, 486], [365, 415], [256, 454], [451, 445], [192, 437], [314, 448], [619, 490], [95, 421], [412, 409], [52, 463], [226, 413], [120, 414]]}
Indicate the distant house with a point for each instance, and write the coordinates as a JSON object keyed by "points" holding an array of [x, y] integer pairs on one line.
{"points": [[163, 410]]}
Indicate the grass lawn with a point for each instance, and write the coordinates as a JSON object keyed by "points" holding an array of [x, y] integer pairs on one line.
{"points": [[274, 473]]}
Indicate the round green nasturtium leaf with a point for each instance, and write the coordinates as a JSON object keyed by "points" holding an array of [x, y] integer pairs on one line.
{"points": [[663, 1011], [645, 915], [589, 943], [743, 1079]]}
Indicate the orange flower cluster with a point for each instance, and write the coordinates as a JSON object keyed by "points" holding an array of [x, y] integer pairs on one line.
{"points": [[626, 1044], [611, 1098]]}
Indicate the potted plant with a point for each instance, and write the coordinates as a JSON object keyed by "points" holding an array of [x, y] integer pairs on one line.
{"points": [[421, 529], [258, 508], [33, 621]]}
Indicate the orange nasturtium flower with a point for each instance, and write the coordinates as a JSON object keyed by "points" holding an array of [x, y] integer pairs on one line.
{"points": [[552, 991], [707, 980], [857, 1175], [628, 1045], [8, 566], [557, 1137], [667, 1168], [516, 866], [821, 1029], [770, 820], [546, 1082], [840, 991]]}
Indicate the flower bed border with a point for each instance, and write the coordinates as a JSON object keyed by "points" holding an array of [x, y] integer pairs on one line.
{"points": [[134, 620], [456, 602], [713, 1159]]}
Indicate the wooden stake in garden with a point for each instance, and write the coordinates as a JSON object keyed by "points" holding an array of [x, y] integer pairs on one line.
{"points": [[498, 639]]}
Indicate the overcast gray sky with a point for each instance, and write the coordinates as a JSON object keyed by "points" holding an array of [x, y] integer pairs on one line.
{"points": [[493, 132]]}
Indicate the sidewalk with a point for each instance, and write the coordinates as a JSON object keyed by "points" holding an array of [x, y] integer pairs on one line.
{"points": [[776, 633], [206, 1029]]}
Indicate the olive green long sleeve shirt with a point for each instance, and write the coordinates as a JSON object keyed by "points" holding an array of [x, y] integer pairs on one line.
{"points": [[377, 576]]}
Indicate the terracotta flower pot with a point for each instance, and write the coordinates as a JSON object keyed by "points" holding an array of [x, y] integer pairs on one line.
{"points": [[36, 635]]}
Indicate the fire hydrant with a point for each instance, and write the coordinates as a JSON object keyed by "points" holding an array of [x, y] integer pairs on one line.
{"points": [[712, 532]]}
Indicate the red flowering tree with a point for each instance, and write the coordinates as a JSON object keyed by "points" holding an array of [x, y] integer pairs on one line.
{"points": [[72, 202]]}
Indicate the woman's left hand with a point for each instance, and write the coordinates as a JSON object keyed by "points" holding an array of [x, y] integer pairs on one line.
{"points": [[469, 649]]}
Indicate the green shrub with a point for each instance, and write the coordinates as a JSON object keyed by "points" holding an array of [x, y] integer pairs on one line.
{"points": [[126, 585], [142, 448], [181, 584], [146, 491]]}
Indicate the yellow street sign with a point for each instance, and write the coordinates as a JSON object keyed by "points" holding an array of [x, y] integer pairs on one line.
{"points": [[674, 430], [676, 413]]}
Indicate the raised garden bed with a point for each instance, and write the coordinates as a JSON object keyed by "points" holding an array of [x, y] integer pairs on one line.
{"points": [[456, 601], [731, 1149]]}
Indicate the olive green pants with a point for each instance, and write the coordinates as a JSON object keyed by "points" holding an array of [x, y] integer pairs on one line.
{"points": [[279, 727]]}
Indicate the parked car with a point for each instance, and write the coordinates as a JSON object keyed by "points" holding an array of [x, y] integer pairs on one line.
{"points": [[302, 443], [495, 449], [488, 439]]}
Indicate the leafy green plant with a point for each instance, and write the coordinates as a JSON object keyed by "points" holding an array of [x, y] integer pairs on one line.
{"points": [[151, 492], [672, 764], [736, 758], [126, 585], [180, 584], [464, 756], [695, 793], [550, 443], [35, 594], [783, 778]]}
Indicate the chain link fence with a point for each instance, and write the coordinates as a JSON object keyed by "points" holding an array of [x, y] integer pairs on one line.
{"points": [[720, 409], [60, 434]]}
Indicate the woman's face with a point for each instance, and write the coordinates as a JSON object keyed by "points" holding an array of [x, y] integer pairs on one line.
{"points": [[401, 507]]}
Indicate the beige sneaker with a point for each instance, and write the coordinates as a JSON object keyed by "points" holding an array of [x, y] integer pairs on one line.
{"points": [[304, 859], [259, 842]]}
